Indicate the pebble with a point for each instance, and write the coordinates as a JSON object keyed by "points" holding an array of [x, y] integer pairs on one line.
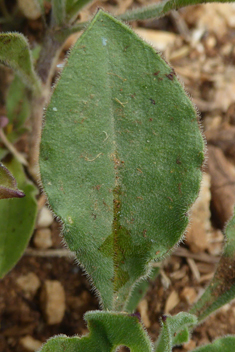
{"points": [[45, 218], [30, 9], [171, 302], [198, 235], [30, 344], [52, 299], [42, 238], [29, 283], [189, 295]]}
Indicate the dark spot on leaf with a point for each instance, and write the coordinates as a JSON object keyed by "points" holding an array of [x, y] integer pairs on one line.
{"points": [[178, 161], [156, 73], [97, 187], [170, 75], [94, 216], [179, 187], [152, 101]]}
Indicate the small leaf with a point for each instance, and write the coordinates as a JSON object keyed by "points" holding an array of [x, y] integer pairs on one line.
{"points": [[17, 104], [108, 330], [224, 344], [174, 331], [17, 219], [15, 53], [58, 12], [221, 289], [73, 7], [8, 185], [161, 9], [120, 157]]}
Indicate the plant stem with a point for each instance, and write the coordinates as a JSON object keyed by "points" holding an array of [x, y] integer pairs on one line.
{"points": [[12, 149], [4, 10], [48, 57], [45, 68]]}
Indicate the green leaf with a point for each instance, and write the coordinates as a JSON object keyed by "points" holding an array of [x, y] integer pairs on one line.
{"points": [[17, 219], [140, 290], [8, 185], [58, 12], [73, 7], [161, 9], [174, 331], [108, 330], [221, 289], [121, 154], [224, 344], [15, 53], [17, 104]]}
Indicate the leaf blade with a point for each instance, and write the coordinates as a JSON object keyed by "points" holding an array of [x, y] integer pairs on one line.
{"points": [[17, 219], [8, 185], [15, 53], [107, 332], [124, 209], [224, 344], [160, 9], [174, 331], [221, 289]]}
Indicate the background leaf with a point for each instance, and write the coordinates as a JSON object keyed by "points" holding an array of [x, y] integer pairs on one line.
{"points": [[74, 6], [58, 12], [15, 53], [17, 219], [160, 9], [121, 154], [8, 185], [174, 331], [224, 344], [108, 330], [221, 289]]}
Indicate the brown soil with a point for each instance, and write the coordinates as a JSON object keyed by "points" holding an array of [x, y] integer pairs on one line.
{"points": [[200, 45]]}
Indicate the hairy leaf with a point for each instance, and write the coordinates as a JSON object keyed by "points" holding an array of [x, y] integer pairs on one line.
{"points": [[224, 344], [161, 9], [15, 53], [8, 185], [121, 154], [221, 289], [174, 331], [108, 330], [17, 219]]}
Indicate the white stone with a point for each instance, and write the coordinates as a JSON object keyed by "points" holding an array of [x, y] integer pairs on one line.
{"points": [[45, 218], [143, 309], [52, 301], [29, 283], [42, 238], [30, 344], [30, 9]]}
